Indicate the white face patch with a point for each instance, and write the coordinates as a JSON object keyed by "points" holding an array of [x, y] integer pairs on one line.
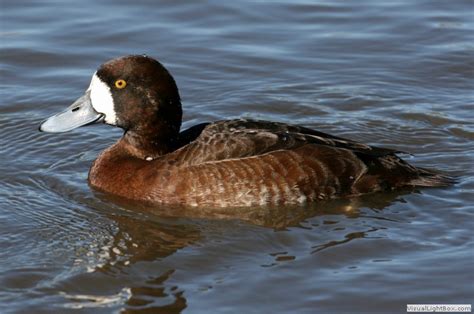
{"points": [[101, 99]]}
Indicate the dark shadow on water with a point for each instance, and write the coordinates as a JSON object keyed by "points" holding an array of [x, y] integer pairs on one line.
{"points": [[148, 233], [149, 240], [143, 297], [347, 238]]}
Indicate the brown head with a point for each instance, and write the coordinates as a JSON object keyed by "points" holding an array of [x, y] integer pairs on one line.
{"points": [[135, 93]]}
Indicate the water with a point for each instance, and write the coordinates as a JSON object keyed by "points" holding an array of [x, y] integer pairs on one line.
{"points": [[393, 73]]}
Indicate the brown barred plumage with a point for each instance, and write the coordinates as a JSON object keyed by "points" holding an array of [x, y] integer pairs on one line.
{"points": [[226, 166], [227, 163]]}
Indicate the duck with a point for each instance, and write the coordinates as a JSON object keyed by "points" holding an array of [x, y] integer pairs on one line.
{"points": [[227, 163]]}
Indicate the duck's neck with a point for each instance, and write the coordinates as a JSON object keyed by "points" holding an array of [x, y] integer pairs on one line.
{"points": [[150, 143]]}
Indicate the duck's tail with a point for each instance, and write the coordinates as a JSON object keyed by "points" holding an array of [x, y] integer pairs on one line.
{"points": [[430, 178]]}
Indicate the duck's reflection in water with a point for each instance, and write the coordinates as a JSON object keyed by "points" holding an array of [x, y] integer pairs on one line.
{"points": [[141, 239], [149, 233], [143, 298]]}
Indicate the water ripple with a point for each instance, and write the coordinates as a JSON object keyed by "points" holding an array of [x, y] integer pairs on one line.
{"points": [[396, 74]]}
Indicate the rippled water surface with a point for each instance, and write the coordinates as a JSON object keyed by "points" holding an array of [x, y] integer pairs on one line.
{"points": [[393, 73]]}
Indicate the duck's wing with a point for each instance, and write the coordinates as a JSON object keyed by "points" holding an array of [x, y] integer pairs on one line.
{"points": [[244, 138], [304, 134], [248, 163]]}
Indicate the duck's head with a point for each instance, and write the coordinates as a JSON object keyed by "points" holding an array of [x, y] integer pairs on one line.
{"points": [[135, 93]]}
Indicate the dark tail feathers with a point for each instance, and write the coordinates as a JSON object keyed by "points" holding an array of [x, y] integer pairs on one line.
{"points": [[430, 178]]}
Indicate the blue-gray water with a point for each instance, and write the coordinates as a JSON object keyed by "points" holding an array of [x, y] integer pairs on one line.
{"points": [[392, 73]]}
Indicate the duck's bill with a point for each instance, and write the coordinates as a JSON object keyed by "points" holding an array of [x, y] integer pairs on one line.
{"points": [[78, 114]]}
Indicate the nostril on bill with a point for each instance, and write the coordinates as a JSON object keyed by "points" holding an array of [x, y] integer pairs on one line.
{"points": [[75, 109]]}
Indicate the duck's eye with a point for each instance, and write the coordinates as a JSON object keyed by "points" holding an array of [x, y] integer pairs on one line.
{"points": [[120, 84]]}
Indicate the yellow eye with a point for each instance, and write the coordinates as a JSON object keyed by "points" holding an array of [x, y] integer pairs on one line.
{"points": [[120, 84]]}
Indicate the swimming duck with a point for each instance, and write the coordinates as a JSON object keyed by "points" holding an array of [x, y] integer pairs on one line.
{"points": [[229, 163]]}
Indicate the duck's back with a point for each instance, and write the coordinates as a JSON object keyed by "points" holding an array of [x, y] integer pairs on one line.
{"points": [[247, 163]]}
